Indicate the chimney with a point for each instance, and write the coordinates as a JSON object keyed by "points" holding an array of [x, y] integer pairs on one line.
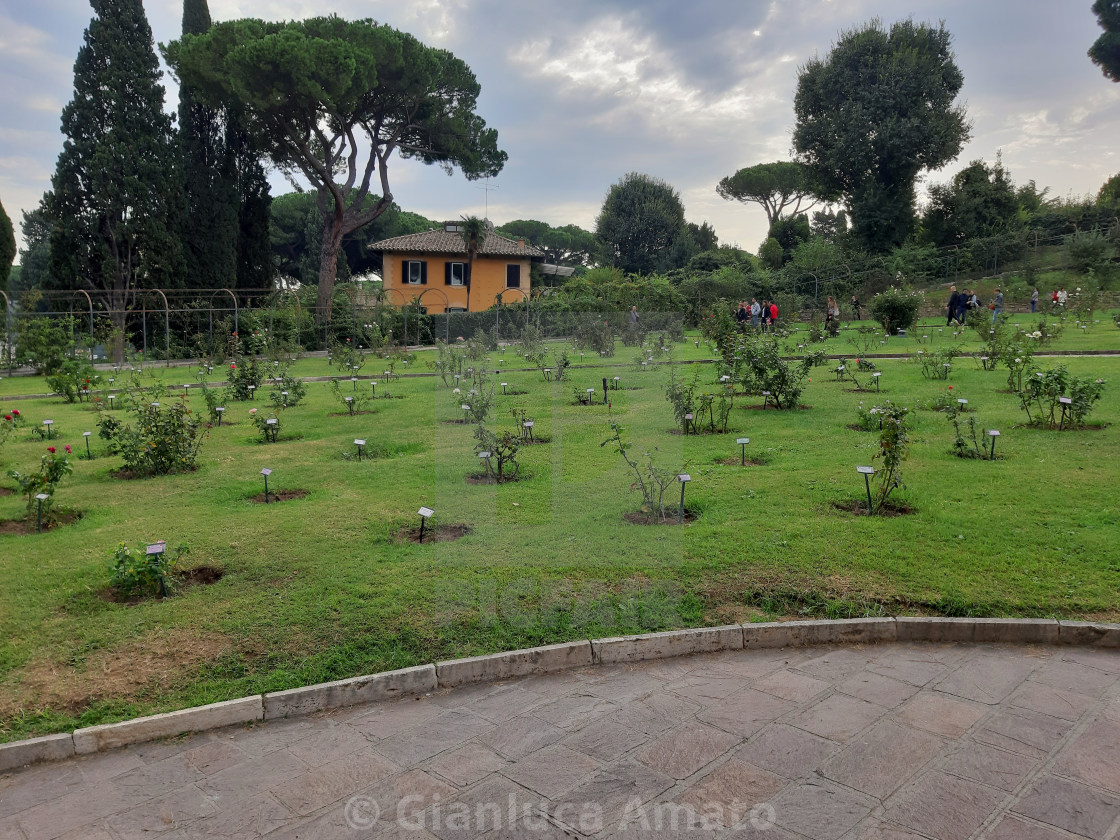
{"points": [[521, 244]]}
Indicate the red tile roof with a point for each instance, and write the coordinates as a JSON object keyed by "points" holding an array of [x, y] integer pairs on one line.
{"points": [[446, 242]]}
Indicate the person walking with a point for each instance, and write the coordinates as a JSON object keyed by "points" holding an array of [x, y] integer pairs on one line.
{"points": [[954, 306], [756, 312], [997, 305], [742, 315], [773, 314], [1034, 300], [855, 307], [830, 311]]}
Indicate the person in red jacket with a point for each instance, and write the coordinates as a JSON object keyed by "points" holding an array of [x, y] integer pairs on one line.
{"points": [[773, 314]]}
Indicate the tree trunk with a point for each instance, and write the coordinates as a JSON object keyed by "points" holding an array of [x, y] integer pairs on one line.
{"points": [[328, 268]]}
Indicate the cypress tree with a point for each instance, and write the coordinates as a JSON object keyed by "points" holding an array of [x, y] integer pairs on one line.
{"points": [[225, 228], [254, 247], [7, 247], [209, 229], [116, 187]]}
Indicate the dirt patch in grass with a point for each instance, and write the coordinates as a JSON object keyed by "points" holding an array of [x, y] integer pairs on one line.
{"points": [[434, 533], [738, 462], [1088, 427], [186, 579], [155, 662], [132, 475], [889, 508], [639, 518], [856, 427], [348, 414], [4, 491], [703, 431], [482, 478], [279, 496], [800, 407], [29, 525]]}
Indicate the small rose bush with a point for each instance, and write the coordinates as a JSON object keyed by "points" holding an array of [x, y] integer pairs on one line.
{"points": [[53, 467]]}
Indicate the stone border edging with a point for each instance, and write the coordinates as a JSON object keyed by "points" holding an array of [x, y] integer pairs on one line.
{"points": [[422, 679]]}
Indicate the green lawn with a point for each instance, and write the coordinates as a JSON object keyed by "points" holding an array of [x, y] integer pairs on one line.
{"points": [[322, 588]]}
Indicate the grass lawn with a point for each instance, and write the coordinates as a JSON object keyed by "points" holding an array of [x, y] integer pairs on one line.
{"points": [[324, 587]]}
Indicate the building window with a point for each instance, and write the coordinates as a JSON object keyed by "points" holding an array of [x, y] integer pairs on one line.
{"points": [[415, 272], [456, 309], [456, 274], [513, 277]]}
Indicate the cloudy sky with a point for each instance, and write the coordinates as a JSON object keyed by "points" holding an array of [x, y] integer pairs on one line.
{"points": [[584, 91]]}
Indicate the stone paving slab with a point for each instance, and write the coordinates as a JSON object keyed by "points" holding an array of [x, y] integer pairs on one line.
{"points": [[893, 741]]}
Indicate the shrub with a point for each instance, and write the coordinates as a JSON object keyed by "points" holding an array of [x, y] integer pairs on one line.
{"points": [[287, 391], [593, 332], [894, 448], [896, 309], [135, 572], [353, 400], [652, 480], [53, 467], [479, 401], [937, 364], [503, 448], [758, 366], [267, 423], [73, 379], [160, 440], [449, 362], [8, 425], [965, 447], [42, 342], [244, 378], [1041, 398]]}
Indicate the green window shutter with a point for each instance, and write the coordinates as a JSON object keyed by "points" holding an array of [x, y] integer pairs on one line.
{"points": [[447, 274], [424, 272]]}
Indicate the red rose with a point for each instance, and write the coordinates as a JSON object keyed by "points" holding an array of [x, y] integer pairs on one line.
{"points": [[950, 387], [51, 449], [67, 449], [7, 417], [16, 412]]}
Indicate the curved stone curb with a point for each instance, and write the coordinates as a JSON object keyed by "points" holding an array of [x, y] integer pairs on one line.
{"points": [[423, 679]]}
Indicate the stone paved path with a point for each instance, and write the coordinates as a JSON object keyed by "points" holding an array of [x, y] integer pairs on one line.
{"points": [[889, 742]]}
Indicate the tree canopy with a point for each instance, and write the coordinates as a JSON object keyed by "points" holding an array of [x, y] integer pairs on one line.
{"points": [[116, 199], [351, 94], [774, 186], [873, 115], [641, 219], [980, 201], [567, 245], [1105, 51], [1109, 193], [7, 246], [296, 231]]}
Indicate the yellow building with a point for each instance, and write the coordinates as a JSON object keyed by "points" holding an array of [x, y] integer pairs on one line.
{"points": [[433, 266]]}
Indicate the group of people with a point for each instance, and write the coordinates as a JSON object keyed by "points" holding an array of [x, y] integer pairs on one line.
{"points": [[961, 303], [763, 315]]}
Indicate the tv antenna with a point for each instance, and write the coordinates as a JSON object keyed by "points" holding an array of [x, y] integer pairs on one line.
{"points": [[486, 186]]}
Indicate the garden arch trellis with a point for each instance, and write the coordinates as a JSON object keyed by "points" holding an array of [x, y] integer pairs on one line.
{"points": [[498, 302], [446, 315], [233, 297]]}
